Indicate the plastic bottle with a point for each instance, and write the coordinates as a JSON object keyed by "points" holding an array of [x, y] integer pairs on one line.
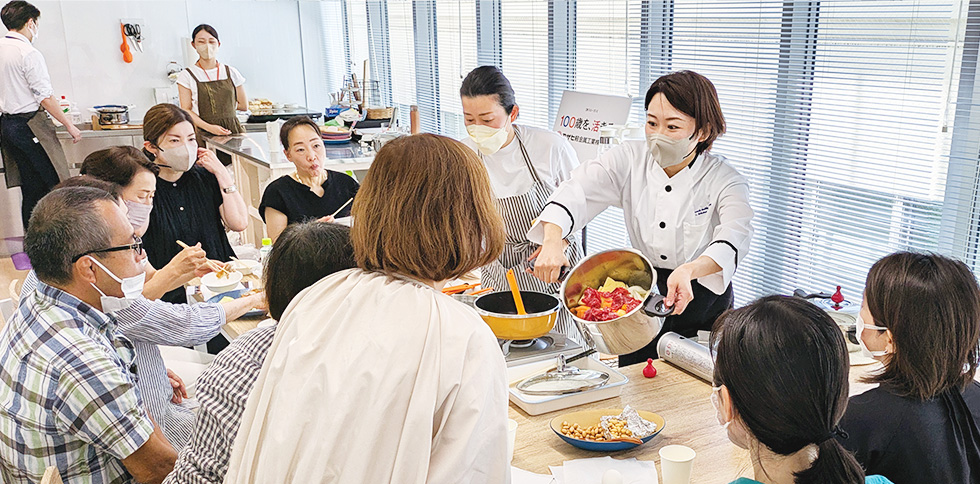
{"points": [[64, 105], [265, 250]]}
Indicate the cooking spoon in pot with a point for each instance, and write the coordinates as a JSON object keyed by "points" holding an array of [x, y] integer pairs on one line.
{"points": [[518, 302]]}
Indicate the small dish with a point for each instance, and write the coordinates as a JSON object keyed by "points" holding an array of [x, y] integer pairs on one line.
{"points": [[224, 284], [588, 418], [246, 266], [237, 293]]}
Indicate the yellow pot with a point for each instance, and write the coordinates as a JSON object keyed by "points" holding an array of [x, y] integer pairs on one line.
{"points": [[500, 313]]}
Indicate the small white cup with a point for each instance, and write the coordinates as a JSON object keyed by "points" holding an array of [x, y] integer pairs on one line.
{"points": [[676, 463], [511, 438]]}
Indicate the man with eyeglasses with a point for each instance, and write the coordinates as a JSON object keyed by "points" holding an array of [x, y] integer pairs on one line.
{"points": [[67, 379]]}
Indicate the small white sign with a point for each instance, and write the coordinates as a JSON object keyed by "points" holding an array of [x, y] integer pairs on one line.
{"points": [[581, 114]]}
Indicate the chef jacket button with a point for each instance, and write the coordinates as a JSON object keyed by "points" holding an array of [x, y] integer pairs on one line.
{"points": [[663, 257], [175, 184], [663, 225], [667, 188], [181, 209]]}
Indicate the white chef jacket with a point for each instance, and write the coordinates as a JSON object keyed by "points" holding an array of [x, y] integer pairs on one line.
{"points": [[552, 157], [184, 79], [372, 378], [24, 79], [702, 210]]}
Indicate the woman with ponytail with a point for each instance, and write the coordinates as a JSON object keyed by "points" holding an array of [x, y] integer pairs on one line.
{"points": [[920, 318], [780, 388]]}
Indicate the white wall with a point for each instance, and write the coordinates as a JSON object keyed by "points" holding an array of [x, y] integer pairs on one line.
{"points": [[80, 40]]}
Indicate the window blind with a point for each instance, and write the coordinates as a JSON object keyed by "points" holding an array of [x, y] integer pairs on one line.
{"points": [[854, 122]]}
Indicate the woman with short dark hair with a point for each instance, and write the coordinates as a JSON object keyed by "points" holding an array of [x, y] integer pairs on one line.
{"points": [[921, 318], [780, 387], [381, 350], [687, 210], [305, 253], [525, 165], [311, 192]]}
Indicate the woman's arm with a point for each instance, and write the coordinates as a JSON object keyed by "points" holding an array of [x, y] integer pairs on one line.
{"points": [[186, 265], [186, 103], [234, 213], [240, 96], [275, 223]]}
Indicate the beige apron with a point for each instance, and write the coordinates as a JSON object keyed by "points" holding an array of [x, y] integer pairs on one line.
{"points": [[44, 130]]}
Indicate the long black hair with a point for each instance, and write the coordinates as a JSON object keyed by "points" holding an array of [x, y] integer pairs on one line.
{"points": [[785, 365], [489, 81]]}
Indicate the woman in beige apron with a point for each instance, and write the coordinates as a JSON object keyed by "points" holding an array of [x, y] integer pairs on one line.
{"points": [[213, 107]]}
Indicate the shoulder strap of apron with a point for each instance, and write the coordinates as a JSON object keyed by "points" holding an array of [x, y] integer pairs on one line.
{"points": [[189, 71], [527, 159]]}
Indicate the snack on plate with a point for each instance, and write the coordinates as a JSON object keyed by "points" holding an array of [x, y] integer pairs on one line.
{"points": [[611, 427], [610, 301]]}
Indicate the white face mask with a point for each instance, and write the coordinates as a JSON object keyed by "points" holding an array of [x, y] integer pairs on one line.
{"points": [[859, 328], [717, 404], [179, 158], [132, 288], [667, 151], [138, 214], [33, 32], [207, 51], [488, 140]]}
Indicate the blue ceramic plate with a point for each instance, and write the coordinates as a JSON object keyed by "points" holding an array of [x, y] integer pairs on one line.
{"points": [[341, 141], [588, 418], [235, 295]]}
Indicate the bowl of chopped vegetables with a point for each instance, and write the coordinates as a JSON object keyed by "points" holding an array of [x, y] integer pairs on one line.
{"points": [[612, 296]]}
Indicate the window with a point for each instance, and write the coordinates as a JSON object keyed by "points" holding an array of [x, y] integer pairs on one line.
{"points": [[855, 122]]}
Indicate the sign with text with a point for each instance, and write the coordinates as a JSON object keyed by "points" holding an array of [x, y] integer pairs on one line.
{"points": [[581, 114]]}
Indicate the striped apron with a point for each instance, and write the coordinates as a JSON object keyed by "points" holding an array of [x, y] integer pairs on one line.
{"points": [[518, 212]]}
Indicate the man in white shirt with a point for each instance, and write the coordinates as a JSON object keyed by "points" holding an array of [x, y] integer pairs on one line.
{"points": [[33, 157]]}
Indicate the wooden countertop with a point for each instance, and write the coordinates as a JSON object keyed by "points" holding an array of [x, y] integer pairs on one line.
{"points": [[682, 399]]}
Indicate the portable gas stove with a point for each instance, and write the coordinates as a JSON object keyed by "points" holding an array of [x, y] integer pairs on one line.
{"points": [[519, 352]]}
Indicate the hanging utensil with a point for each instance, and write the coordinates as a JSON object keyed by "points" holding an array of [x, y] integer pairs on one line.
{"points": [[127, 55], [512, 281], [134, 32]]}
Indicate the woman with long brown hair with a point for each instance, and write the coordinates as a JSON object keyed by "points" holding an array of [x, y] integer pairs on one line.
{"points": [[374, 374]]}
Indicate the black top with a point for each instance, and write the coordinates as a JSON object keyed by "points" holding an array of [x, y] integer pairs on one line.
{"points": [[300, 204], [911, 441], [186, 210]]}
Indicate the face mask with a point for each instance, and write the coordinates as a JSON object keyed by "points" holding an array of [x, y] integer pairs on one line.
{"points": [[208, 51], [33, 33], [668, 151], [139, 214], [860, 326], [717, 404], [179, 158], [132, 288], [488, 140]]}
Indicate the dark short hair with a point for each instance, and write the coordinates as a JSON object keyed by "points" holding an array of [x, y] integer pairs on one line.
{"points": [[489, 81], [158, 120], [291, 124], [694, 95], [16, 14], [785, 365], [207, 28], [117, 164], [931, 305], [91, 182], [304, 253], [65, 223]]}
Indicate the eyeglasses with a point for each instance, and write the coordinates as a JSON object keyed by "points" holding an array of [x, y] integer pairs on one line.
{"points": [[136, 246]]}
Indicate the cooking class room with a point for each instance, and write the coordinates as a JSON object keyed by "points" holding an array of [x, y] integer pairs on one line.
{"points": [[489, 241]]}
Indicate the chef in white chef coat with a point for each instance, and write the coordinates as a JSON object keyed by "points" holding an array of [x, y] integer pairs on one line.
{"points": [[686, 209], [525, 165]]}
